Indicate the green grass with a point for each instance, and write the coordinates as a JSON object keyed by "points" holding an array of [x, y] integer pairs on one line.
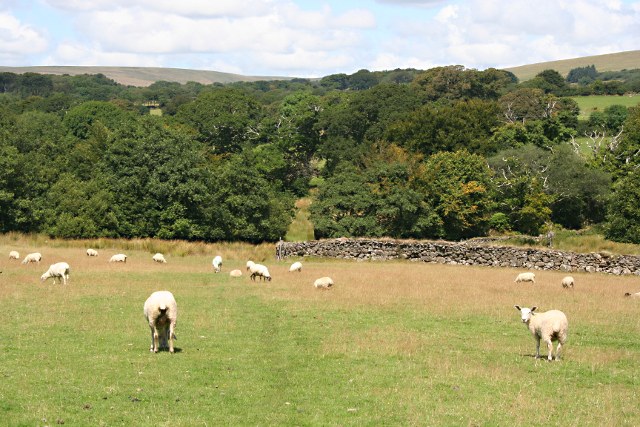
{"points": [[592, 103], [394, 343], [301, 228]]}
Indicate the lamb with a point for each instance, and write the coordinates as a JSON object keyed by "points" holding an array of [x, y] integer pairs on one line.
{"points": [[549, 326], [296, 266], [92, 252], [249, 265], [159, 258], [161, 312], [33, 257], [58, 270], [217, 263], [567, 282], [235, 273], [14, 255], [323, 283], [526, 277], [260, 271], [118, 258]]}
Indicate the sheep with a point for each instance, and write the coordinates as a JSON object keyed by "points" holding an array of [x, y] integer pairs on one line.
{"points": [[261, 271], [14, 255], [323, 283], [549, 326], [249, 265], [92, 252], [161, 312], [296, 266], [118, 258], [59, 269], [217, 263], [159, 258], [33, 257], [235, 273], [526, 277], [567, 282], [636, 295]]}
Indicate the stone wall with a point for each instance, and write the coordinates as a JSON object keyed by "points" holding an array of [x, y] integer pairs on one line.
{"points": [[463, 253]]}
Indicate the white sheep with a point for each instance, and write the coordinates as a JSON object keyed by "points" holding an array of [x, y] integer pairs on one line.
{"points": [[296, 266], [14, 255], [260, 271], [58, 270], [159, 258], [92, 252], [33, 257], [217, 263], [526, 277], [636, 295], [323, 283], [549, 326], [118, 258], [567, 282], [235, 273], [249, 264], [161, 312]]}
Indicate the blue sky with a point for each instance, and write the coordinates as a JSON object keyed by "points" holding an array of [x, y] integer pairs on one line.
{"points": [[308, 38]]}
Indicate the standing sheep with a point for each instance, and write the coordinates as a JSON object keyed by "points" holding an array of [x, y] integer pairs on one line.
{"points": [[159, 258], [296, 266], [260, 271], [323, 283], [118, 258], [33, 257], [567, 282], [217, 263], [628, 294], [14, 255], [59, 269], [92, 252], [161, 312], [549, 326], [526, 277]]}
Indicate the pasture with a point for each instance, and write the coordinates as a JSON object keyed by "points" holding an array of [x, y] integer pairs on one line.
{"points": [[393, 343], [592, 103]]}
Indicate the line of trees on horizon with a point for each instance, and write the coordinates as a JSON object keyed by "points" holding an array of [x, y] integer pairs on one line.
{"points": [[447, 152]]}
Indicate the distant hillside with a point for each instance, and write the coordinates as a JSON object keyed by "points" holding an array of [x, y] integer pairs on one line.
{"points": [[144, 76], [609, 62]]}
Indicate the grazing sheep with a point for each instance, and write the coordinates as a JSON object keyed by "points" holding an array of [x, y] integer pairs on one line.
{"points": [[159, 258], [323, 283], [549, 326], [296, 266], [161, 311], [260, 271], [567, 282], [58, 270], [92, 252], [217, 263], [118, 258], [249, 265], [34, 257], [526, 277], [14, 255], [636, 295], [235, 273]]}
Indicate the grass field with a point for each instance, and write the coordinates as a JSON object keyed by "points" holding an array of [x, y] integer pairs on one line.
{"points": [[394, 343], [592, 103]]}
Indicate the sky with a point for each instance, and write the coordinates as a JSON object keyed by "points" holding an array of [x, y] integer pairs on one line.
{"points": [[306, 38]]}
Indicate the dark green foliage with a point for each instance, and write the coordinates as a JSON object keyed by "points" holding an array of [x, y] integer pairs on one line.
{"points": [[623, 218], [582, 75]]}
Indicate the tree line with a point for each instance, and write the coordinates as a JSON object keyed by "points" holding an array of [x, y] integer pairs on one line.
{"points": [[447, 152]]}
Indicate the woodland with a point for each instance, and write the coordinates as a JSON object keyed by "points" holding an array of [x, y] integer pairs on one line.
{"points": [[446, 153]]}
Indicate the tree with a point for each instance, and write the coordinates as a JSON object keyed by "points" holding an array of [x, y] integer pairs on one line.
{"points": [[623, 217]]}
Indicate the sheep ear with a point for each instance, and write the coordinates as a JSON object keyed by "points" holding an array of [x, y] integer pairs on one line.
{"points": [[533, 308], [517, 306]]}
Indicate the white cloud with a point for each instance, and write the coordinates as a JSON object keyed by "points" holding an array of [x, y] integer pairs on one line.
{"points": [[17, 40]]}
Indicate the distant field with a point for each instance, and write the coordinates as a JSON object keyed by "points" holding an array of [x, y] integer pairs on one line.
{"points": [[589, 104], [611, 62], [394, 343]]}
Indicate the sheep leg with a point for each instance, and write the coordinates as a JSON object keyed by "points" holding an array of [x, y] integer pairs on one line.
{"points": [[172, 327], [537, 347], [558, 350], [550, 350], [155, 340]]}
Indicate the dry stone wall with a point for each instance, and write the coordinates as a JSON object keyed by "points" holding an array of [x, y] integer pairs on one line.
{"points": [[463, 253]]}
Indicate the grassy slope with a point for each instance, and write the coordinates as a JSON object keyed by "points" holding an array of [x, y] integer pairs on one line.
{"points": [[610, 62], [589, 104], [394, 343]]}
